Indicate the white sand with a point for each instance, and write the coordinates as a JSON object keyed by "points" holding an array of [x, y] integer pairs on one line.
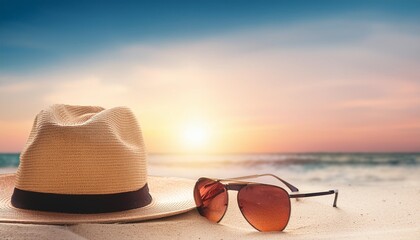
{"points": [[385, 210]]}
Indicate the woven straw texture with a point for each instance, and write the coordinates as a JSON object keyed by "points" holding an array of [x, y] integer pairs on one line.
{"points": [[83, 150]]}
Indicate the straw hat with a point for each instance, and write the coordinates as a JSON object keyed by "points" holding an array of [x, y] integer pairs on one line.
{"points": [[88, 164]]}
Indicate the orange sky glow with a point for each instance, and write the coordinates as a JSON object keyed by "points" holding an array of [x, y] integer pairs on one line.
{"points": [[247, 91]]}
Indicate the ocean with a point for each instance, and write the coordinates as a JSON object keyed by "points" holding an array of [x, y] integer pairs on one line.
{"points": [[355, 168]]}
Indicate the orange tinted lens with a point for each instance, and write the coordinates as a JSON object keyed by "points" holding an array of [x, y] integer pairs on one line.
{"points": [[211, 199], [266, 208]]}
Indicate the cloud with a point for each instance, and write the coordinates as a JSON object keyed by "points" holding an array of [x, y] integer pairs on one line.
{"points": [[90, 90], [20, 101]]}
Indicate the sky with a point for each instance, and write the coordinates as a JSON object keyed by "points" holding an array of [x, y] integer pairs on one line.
{"points": [[220, 76]]}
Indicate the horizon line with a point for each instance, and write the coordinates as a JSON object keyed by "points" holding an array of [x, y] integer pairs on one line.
{"points": [[273, 153]]}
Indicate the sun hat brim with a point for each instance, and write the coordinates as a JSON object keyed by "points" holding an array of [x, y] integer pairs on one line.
{"points": [[170, 195]]}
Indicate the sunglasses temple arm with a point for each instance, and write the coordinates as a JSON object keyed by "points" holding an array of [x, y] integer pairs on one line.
{"points": [[290, 186], [335, 198], [314, 194]]}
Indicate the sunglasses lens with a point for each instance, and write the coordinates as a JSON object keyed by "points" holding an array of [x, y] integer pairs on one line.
{"points": [[211, 199], [266, 208]]}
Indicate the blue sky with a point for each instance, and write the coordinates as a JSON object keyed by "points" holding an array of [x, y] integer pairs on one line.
{"points": [[36, 34]]}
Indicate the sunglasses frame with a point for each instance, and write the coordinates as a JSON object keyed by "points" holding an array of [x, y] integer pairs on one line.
{"points": [[235, 184]]}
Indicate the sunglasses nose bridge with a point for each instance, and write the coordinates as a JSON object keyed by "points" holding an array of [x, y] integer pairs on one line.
{"points": [[234, 186]]}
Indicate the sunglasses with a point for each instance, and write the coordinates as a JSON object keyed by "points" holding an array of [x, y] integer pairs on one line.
{"points": [[266, 207]]}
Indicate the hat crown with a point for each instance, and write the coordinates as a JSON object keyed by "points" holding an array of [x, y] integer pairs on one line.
{"points": [[83, 150]]}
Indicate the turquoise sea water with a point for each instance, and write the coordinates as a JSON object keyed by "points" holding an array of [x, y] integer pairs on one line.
{"points": [[307, 160], [9, 160]]}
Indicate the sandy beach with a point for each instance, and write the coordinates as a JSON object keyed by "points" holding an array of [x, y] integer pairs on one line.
{"points": [[370, 210]]}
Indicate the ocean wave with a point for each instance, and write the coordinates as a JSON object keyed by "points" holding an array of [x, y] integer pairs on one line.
{"points": [[309, 160], [275, 160]]}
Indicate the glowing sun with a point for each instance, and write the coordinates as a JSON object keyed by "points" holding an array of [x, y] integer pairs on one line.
{"points": [[195, 136]]}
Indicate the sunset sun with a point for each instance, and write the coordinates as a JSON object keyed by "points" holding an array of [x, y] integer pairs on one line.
{"points": [[195, 136]]}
